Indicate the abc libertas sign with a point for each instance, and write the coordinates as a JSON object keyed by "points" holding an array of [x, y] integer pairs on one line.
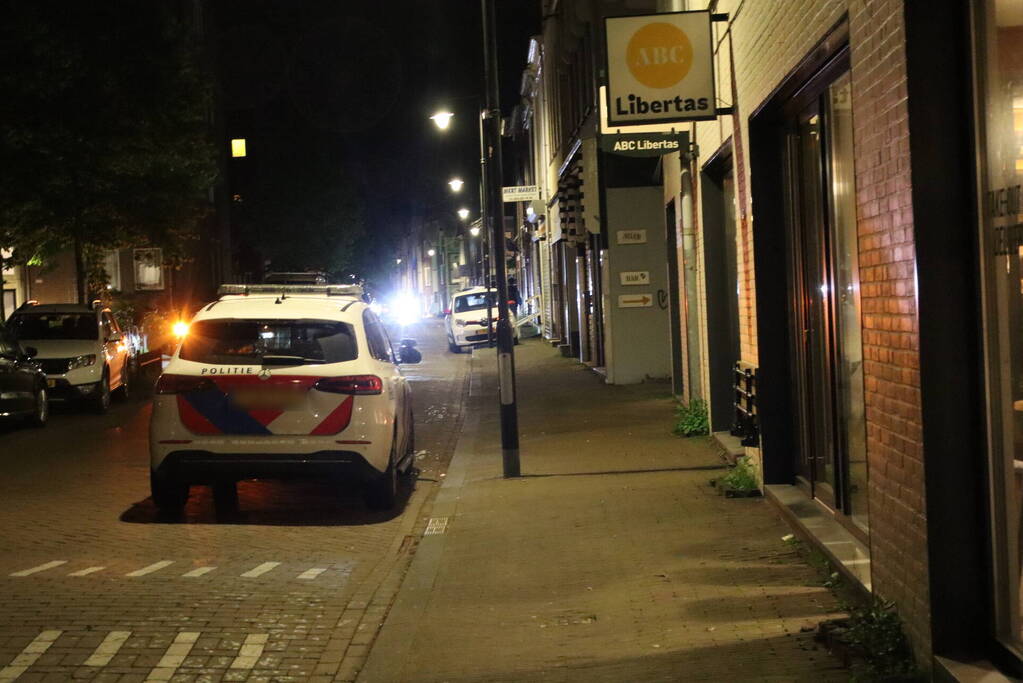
{"points": [[660, 68]]}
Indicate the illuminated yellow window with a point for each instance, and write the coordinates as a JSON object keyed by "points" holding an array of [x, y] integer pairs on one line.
{"points": [[238, 147]]}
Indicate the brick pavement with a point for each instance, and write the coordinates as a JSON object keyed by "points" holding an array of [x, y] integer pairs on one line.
{"points": [[611, 559]]}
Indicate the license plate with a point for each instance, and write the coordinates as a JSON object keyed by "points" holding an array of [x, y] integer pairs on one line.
{"points": [[51, 383], [268, 398]]}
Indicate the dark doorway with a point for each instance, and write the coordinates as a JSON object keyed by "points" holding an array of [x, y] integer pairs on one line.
{"points": [[722, 283]]}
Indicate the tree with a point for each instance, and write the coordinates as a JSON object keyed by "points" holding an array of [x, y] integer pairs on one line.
{"points": [[104, 129]]}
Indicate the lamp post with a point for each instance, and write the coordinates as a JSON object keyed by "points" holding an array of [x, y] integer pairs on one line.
{"points": [[493, 211]]}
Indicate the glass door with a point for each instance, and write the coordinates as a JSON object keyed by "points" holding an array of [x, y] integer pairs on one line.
{"points": [[827, 349]]}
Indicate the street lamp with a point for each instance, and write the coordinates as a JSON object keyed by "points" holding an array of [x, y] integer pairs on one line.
{"points": [[442, 119], [463, 214], [431, 252], [456, 184], [475, 231]]}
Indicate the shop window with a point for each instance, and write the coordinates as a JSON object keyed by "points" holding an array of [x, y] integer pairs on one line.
{"points": [[148, 269], [1000, 119]]}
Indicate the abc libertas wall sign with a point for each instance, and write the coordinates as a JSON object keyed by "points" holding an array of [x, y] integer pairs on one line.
{"points": [[660, 68]]}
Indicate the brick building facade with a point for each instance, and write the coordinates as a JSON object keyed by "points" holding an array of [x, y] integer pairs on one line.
{"points": [[831, 232]]}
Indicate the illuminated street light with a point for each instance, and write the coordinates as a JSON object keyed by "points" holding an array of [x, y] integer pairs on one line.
{"points": [[475, 230], [456, 184], [397, 261], [442, 119], [463, 213], [431, 252]]}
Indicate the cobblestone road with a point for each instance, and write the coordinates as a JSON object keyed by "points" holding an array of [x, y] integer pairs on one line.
{"points": [[292, 586]]}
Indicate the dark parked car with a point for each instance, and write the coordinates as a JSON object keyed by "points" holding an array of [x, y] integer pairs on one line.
{"points": [[22, 383]]}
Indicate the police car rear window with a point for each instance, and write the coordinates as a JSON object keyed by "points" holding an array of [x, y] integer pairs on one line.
{"points": [[253, 342]]}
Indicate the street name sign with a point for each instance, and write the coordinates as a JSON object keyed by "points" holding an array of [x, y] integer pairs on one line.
{"points": [[521, 193], [635, 301], [632, 237], [635, 277], [660, 68]]}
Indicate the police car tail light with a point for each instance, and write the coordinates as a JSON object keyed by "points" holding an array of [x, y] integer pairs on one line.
{"points": [[359, 385], [180, 384]]}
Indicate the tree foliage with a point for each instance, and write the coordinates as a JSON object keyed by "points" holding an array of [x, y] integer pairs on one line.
{"points": [[104, 127]]}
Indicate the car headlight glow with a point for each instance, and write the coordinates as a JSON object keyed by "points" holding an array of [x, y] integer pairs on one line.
{"points": [[82, 361], [406, 309]]}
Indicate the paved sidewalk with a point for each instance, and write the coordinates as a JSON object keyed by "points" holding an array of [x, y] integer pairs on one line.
{"points": [[611, 559]]}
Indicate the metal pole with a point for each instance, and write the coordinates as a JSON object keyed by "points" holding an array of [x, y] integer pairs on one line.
{"points": [[495, 218]]}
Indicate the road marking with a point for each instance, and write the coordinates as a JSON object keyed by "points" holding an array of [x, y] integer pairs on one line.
{"points": [[155, 567], [252, 650], [198, 572], [261, 569], [311, 573], [108, 648], [436, 526], [175, 655], [27, 657], [40, 568], [87, 571]]}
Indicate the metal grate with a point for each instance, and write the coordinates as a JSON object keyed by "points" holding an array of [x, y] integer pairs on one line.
{"points": [[745, 425]]}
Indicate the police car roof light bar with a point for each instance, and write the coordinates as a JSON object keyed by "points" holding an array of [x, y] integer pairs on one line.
{"points": [[321, 289]]}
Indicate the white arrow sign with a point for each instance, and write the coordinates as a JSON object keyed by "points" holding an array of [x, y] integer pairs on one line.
{"points": [[635, 301]]}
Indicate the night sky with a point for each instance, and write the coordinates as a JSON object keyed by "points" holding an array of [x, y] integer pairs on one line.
{"points": [[314, 82]]}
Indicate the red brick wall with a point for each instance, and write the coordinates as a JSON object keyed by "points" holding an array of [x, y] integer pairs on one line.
{"points": [[898, 534]]}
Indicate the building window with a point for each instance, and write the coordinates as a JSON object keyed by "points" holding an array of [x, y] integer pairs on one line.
{"points": [[148, 269], [1000, 120], [10, 302], [112, 270]]}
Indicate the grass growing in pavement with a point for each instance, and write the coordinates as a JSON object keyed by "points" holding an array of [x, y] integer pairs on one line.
{"points": [[691, 419], [873, 630]]}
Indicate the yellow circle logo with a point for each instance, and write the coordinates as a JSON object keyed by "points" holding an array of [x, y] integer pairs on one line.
{"points": [[659, 55]]}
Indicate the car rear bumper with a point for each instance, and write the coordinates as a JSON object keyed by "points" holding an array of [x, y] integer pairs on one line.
{"points": [[197, 466]]}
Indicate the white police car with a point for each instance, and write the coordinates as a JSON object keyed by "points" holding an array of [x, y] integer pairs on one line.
{"points": [[281, 381]]}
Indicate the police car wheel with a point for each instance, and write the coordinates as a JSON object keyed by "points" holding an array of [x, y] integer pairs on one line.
{"points": [[168, 496], [382, 491]]}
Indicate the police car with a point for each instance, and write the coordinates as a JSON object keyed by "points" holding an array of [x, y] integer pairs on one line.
{"points": [[281, 381]]}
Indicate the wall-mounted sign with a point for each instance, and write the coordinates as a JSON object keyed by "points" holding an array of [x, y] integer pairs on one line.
{"points": [[644, 144], [632, 237], [635, 277], [520, 193], [635, 301], [660, 68]]}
